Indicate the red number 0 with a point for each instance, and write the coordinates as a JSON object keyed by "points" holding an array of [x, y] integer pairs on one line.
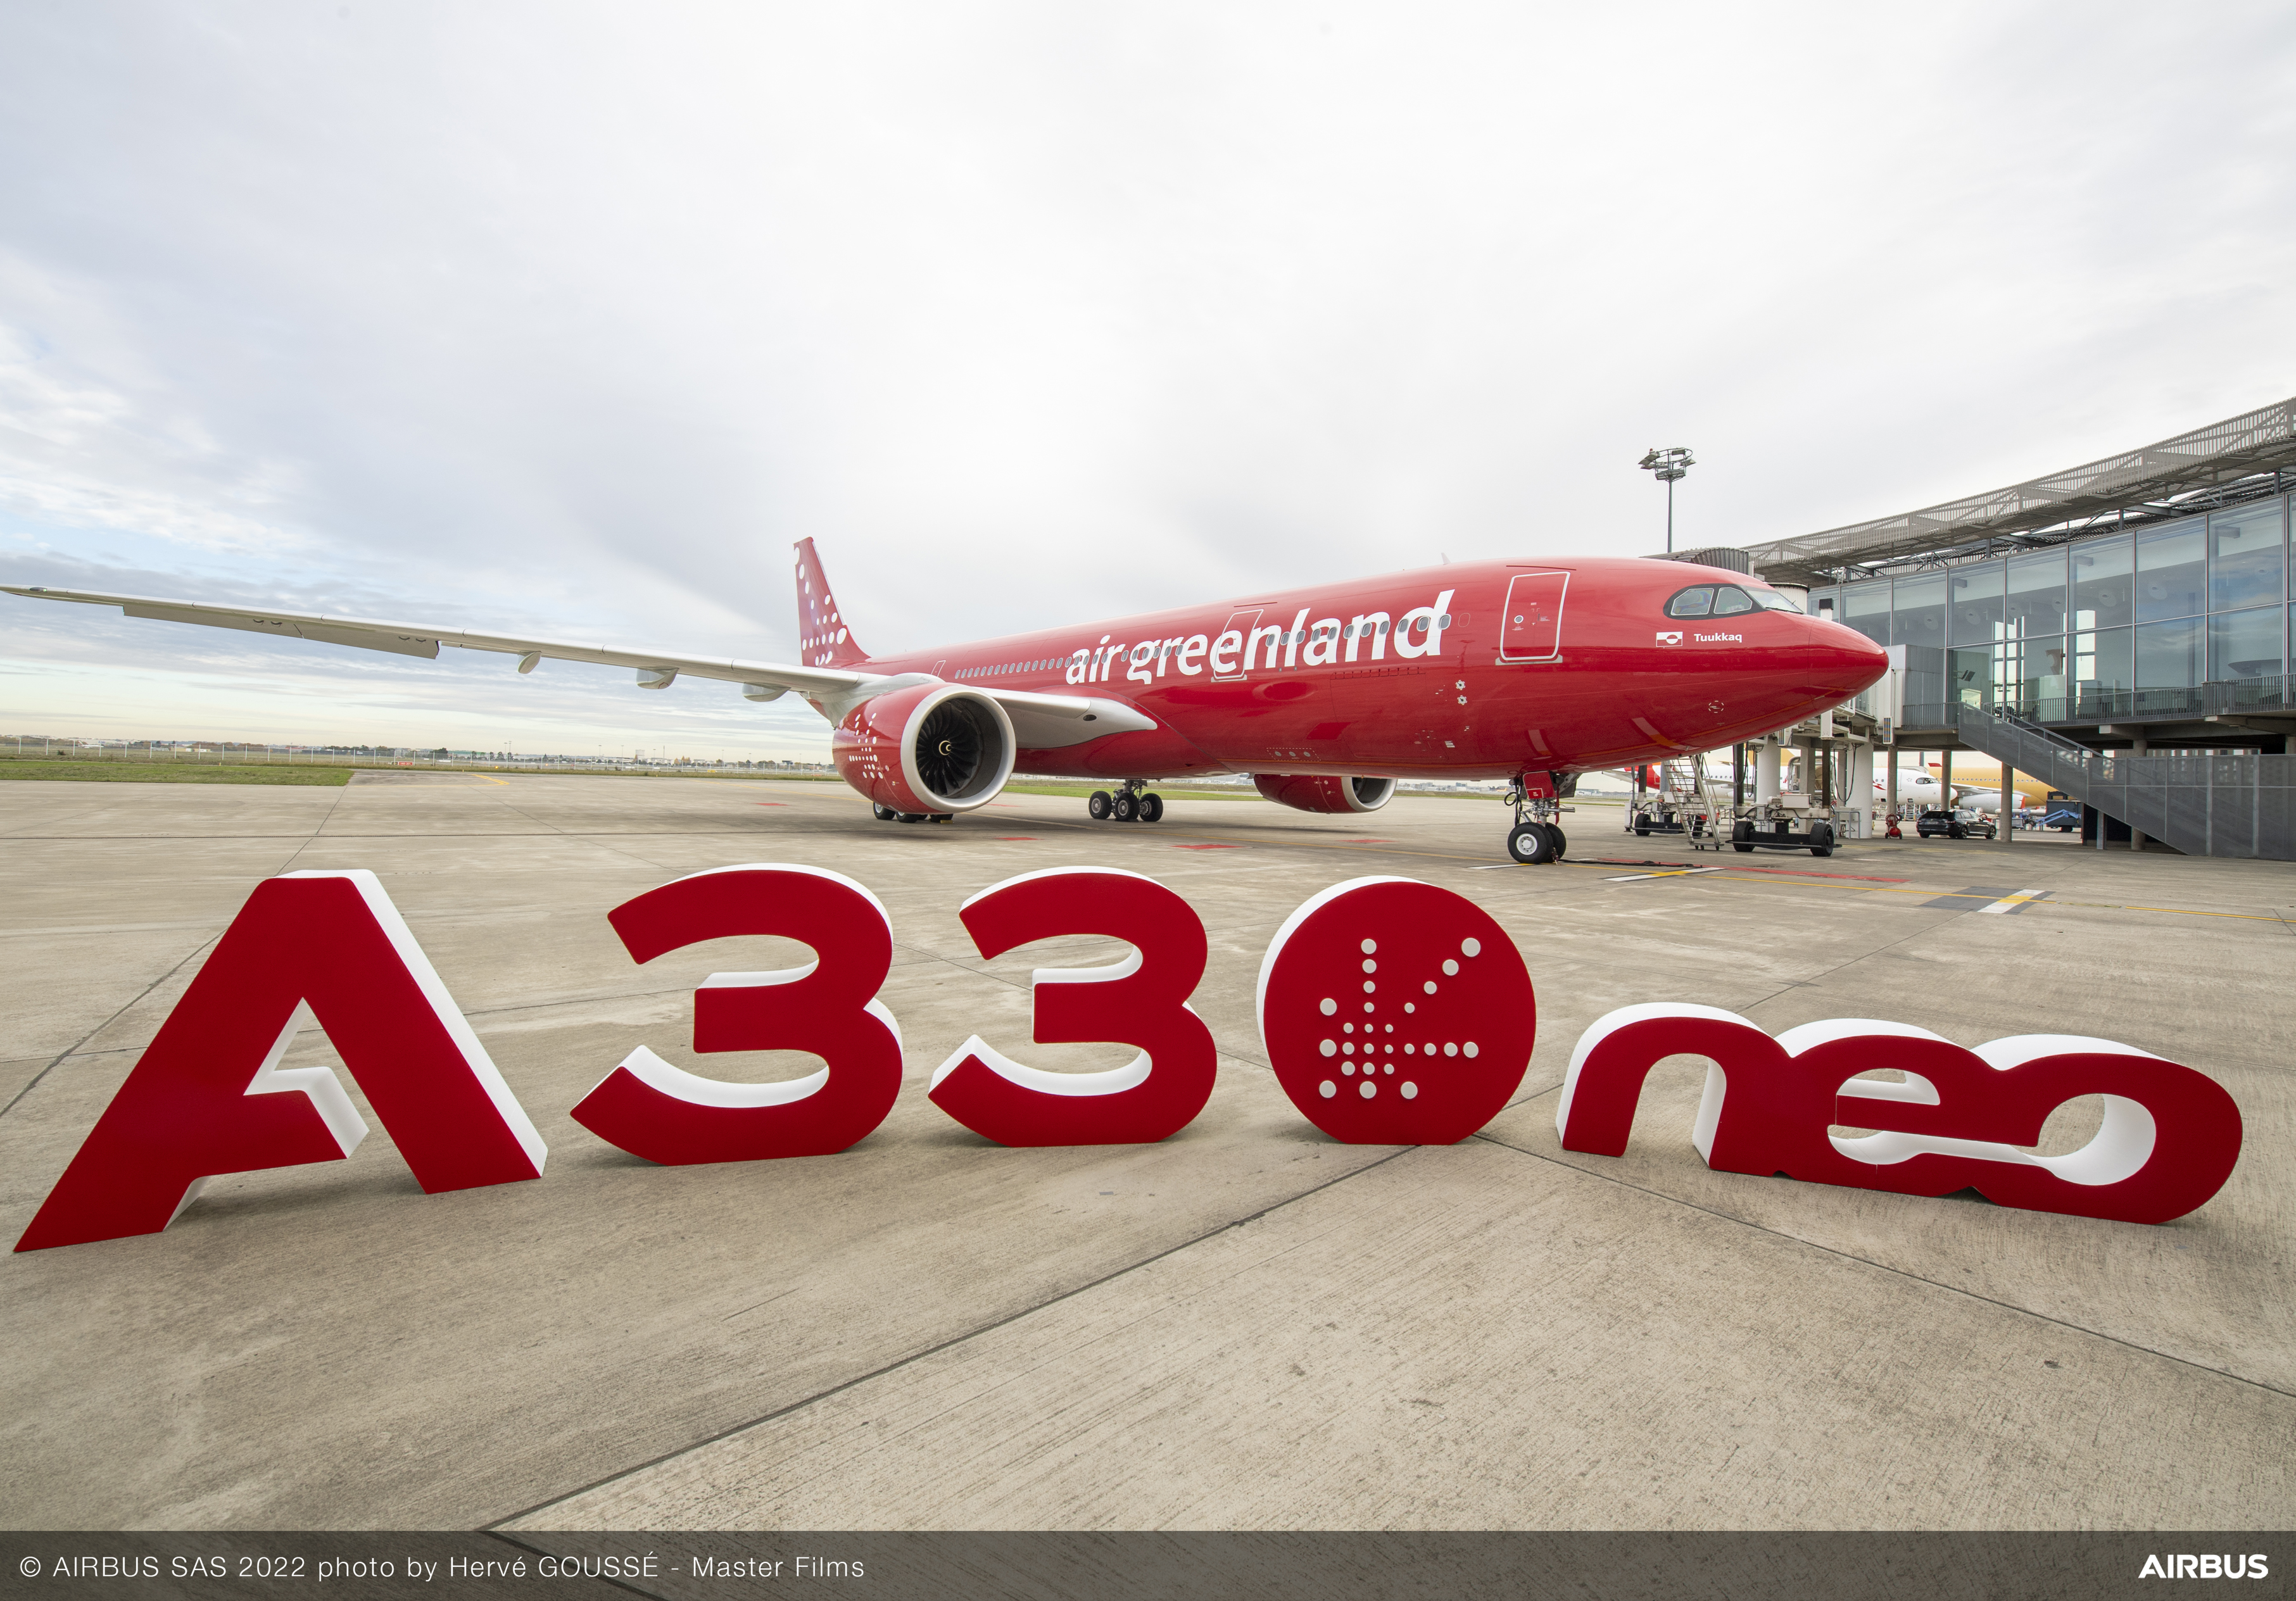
{"points": [[666, 1114], [1141, 1001]]}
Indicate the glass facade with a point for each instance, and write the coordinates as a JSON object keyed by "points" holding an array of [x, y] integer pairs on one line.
{"points": [[2172, 572], [1866, 608], [2248, 559], [2245, 644], [1917, 616], [2118, 624], [2037, 593], [1976, 593]]}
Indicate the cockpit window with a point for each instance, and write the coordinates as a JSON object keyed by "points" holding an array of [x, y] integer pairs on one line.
{"points": [[1726, 600]]}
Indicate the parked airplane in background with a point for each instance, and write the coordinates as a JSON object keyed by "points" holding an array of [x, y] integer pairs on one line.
{"points": [[1976, 784], [1922, 788], [1526, 671], [1918, 791]]}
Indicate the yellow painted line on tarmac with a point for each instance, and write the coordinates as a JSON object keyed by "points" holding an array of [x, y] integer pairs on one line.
{"points": [[2182, 911], [1882, 889]]}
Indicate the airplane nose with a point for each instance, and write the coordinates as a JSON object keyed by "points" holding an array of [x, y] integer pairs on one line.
{"points": [[1850, 658]]}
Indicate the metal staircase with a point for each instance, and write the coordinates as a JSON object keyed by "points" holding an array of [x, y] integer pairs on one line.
{"points": [[1683, 801], [2243, 806]]}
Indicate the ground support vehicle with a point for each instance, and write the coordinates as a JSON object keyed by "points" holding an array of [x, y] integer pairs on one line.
{"points": [[1790, 822]]}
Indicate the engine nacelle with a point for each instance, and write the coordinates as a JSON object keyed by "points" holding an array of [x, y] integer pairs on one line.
{"points": [[1321, 792], [931, 748]]}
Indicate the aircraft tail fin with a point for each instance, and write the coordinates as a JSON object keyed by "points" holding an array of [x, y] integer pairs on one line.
{"points": [[824, 640]]}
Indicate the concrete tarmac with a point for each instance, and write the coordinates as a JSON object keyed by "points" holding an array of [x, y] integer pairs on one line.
{"points": [[1247, 1325]]}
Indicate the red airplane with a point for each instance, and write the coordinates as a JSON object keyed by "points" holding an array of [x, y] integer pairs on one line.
{"points": [[1532, 672]]}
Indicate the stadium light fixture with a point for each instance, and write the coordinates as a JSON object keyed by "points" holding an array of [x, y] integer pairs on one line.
{"points": [[1671, 463]]}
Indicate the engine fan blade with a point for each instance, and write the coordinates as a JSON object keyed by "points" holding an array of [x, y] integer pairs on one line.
{"points": [[948, 751]]}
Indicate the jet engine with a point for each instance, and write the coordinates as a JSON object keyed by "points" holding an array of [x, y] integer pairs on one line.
{"points": [[928, 750], [1318, 792]]}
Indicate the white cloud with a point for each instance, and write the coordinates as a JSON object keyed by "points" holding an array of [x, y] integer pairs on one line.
{"points": [[574, 316]]}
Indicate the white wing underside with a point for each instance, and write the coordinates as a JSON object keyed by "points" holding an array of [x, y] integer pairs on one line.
{"points": [[1039, 721]]}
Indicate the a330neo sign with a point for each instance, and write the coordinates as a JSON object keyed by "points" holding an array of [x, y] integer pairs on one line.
{"points": [[1393, 1012]]}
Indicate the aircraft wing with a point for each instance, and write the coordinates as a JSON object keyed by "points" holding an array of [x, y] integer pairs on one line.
{"points": [[1039, 721], [414, 638]]}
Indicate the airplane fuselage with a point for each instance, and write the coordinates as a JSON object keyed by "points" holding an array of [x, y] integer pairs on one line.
{"points": [[1471, 669]]}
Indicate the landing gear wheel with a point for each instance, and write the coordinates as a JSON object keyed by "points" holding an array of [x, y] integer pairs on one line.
{"points": [[943, 817], [1821, 840], [1098, 805], [1125, 806], [1562, 843], [1742, 838], [1642, 828], [913, 817], [1151, 808], [1530, 843], [884, 814]]}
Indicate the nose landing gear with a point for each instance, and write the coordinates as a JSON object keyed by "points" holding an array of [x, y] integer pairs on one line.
{"points": [[1132, 804], [1534, 844], [1535, 838]]}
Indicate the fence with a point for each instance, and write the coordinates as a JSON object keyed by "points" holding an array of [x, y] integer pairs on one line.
{"points": [[2240, 806]]}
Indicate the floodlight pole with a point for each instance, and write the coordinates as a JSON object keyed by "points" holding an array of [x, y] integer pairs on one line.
{"points": [[1668, 463]]}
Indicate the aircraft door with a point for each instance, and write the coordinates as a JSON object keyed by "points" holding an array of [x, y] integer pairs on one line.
{"points": [[1242, 623], [1530, 629]]}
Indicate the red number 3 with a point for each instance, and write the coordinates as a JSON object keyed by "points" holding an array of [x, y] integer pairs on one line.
{"points": [[828, 1007], [1140, 1000]]}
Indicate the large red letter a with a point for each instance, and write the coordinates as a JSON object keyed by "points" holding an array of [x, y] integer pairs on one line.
{"points": [[208, 1096]]}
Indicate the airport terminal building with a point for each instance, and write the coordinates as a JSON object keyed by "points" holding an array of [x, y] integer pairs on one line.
{"points": [[2121, 629]]}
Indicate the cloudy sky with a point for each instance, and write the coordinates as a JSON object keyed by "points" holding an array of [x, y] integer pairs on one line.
{"points": [[569, 318]]}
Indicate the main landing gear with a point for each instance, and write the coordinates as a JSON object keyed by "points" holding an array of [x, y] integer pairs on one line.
{"points": [[1535, 838], [1132, 804]]}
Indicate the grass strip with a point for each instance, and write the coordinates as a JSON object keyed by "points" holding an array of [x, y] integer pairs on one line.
{"points": [[171, 772]]}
